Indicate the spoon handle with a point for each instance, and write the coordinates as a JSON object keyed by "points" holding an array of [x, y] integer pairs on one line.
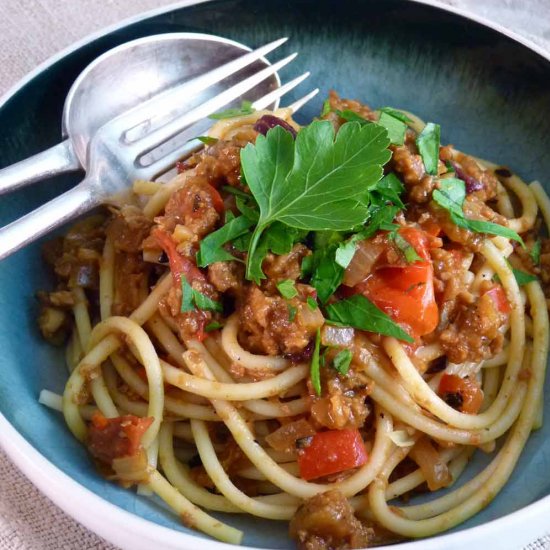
{"points": [[27, 229], [56, 160]]}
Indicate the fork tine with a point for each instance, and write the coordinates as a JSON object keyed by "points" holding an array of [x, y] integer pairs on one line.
{"points": [[172, 97], [181, 152], [161, 135], [298, 104], [269, 98]]}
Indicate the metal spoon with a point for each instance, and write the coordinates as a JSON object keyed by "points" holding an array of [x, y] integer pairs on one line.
{"points": [[121, 79]]}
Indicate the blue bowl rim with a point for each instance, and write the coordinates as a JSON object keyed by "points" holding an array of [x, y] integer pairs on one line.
{"points": [[128, 530]]}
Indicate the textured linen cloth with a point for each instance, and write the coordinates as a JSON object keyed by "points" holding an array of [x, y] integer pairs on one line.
{"points": [[30, 32]]}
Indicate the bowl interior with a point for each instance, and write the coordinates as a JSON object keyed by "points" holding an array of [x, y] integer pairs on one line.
{"points": [[489, 94]]}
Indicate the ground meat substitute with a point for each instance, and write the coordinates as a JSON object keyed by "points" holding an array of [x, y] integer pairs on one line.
{"points": [[76, 257], [226, 276], [340, 104], [474, 335], [191, 206], [220, 163], [189, 324], [483, 182], [326, 522], [266, 325], [409, 165], [287, 266], [449, 281], [342, 404], [127, 230]]}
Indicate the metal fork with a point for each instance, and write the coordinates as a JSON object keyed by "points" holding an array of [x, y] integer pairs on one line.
{"points": [[144, 142]]}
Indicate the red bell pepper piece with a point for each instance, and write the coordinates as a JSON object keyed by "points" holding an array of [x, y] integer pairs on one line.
{"points": [[406, 292], [464, 392], [331, 452]]}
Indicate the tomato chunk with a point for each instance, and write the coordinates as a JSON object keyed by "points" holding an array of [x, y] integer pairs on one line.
{"points": [[498, 296], [463, 394], [179, 265], [332, 452], [406, 291], [110, 438]]}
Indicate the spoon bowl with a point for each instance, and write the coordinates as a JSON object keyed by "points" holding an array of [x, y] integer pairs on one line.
{"points": [[122, 78]]}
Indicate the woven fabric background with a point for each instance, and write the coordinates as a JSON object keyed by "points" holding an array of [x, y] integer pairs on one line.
{"points": [[30, 32]]}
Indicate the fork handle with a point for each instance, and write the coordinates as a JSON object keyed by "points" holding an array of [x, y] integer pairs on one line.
{"points": [[59, 158], [54, 213]]}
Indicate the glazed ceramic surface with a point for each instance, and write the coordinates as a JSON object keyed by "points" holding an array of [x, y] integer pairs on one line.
{"points": [[489, 93]]}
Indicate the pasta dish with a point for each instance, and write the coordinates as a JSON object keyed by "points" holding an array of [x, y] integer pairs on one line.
{"points": [[309, 324]]}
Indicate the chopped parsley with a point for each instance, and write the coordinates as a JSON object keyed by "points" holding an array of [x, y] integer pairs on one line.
{"points": [[395, 113], [396, 128], [407, 249], [389, 189], [192, 299], [311, 303], [315, 371], [207, 140], [522, 277], [245, 109], [361, 313], [211, 248], [535, 252], [351, 116], [291, 313], [212, 326], [428, 147], [287, 289], [327, 275], [344, 253], [342, 361], [451, 195], [326, 108]]}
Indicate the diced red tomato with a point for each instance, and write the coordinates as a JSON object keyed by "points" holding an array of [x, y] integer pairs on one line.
{"points": [[463, 394], [406, 292], [179, 265], [110, 438], [332, 452], [498, 295]]}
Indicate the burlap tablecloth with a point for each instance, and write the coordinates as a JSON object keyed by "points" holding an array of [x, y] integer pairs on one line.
{"points": [[30, 32]]}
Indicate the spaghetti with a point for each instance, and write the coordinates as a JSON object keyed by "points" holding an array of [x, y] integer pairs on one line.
{"points": [[271, 392]]}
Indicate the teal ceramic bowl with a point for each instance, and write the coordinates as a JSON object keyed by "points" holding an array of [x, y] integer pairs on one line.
{"points": [[489, 92]]}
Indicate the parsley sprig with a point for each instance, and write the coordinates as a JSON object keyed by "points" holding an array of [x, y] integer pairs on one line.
{"points": [[316, 182]]}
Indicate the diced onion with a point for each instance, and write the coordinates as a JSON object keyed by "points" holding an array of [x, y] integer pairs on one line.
{"points": [[366, 254], [337, 336], [310, 319], [429, 461], [463, 369]]}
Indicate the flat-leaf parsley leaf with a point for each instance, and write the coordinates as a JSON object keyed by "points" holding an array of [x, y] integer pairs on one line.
{"points": [[316, 182]]}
